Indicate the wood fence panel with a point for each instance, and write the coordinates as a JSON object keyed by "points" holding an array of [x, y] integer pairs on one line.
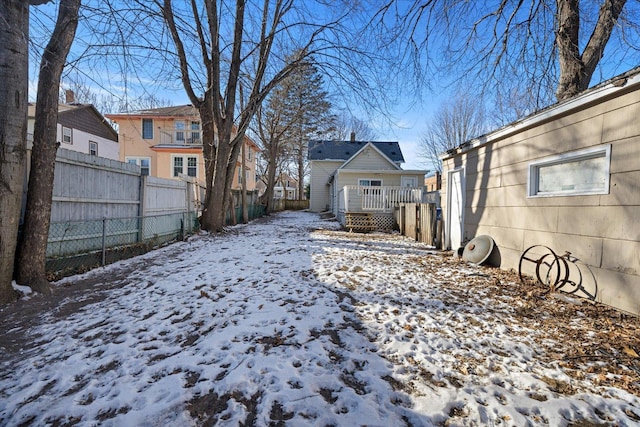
{"points": [[164, 196], [296, 205], [427, 222], [89, 187], [411, 220]]}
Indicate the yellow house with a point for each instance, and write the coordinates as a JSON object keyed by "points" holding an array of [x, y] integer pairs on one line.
{"points": [[167, 143]]}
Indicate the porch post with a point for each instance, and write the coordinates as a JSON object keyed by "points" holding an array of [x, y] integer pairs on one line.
{"points": [[346, 198]]}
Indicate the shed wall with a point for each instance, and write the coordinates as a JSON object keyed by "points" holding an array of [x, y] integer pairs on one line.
{"points": [[600, 230]]}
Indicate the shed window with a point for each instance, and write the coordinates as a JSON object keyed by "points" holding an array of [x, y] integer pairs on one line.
{"points": [[570, 174], [93, 148]]}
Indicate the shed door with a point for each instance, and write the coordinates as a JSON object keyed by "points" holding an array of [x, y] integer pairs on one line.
{"points": [[455, 202]]}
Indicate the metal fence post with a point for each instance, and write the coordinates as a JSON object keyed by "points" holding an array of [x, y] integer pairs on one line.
{"points": [[104, 240]]}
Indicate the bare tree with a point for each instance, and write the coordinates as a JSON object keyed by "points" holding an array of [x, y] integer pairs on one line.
{"points": [[271, 127], [254, 29], [541, 47], [33, 244], [308, 110], [345, 124], [455, 122], [14, 60]]}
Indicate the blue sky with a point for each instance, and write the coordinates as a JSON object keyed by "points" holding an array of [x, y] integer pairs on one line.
{"points": [[406, 123]]}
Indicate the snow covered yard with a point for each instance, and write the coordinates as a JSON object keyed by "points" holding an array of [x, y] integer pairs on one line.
{"points": [[292, 322]]}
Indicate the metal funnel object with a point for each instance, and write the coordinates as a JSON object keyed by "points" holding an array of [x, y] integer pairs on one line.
{"points": [[482, 249]]}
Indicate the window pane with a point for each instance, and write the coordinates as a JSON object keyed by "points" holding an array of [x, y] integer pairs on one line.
{"points": [[580, 175], [192, 166], [147, 128], [66, 135], [145, 166], [177, 166], [180, 130]]}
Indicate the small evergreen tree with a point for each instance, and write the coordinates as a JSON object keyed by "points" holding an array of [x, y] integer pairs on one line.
{"points": [[308, 109]]}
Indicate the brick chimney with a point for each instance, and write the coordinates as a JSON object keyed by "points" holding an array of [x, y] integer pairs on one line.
{"points": [[353, 136], [69, 97]]}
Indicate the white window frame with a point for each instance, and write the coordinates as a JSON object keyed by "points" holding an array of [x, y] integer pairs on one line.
{"points": [[533, 177], [67, 135], [360, 184], [93, 152], [136, 160], [195, 133], [185, 165], [180, 128]]}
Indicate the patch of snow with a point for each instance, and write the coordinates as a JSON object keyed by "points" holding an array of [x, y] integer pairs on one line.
{"points": [[293, 322]]}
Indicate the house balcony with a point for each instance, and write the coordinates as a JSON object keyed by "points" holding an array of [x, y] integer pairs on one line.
{"points": [[367, 208], [355, 198], [181, 137]]}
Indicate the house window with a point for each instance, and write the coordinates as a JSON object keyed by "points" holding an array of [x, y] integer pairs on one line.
{"points": [[178, 166], [143, 162], [192, 166], [249, 153], [93, 148], [195, 133], [239, 175], [147, 128], [570, 174], [186, 165], [180, 131], [370, 182], [67, 135]]}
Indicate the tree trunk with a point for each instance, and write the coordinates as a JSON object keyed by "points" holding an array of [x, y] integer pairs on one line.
{"points": [[271, 178], [577, 69], [243, 187], [219, 189], [33, 246], [14, 77], [300, 173]]}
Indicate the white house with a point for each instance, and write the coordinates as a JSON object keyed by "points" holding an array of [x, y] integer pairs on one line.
{"points": [[83, 129], [361, 177]]}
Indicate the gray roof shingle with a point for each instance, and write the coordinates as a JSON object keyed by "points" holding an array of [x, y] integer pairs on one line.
{"points": [[344, 150]]}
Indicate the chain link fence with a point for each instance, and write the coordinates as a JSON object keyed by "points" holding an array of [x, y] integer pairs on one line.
{"points": [[78, 246], [254, 211]]}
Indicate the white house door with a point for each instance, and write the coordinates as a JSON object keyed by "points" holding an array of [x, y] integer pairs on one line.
{"points": [[455, 201], [409, 181]]}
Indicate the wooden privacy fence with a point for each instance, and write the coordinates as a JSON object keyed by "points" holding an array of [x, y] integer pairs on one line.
{"points": [[417, 220], [296, 205]]}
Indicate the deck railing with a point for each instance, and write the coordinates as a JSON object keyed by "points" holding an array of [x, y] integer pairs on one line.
{"points": [[355, 198]]}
